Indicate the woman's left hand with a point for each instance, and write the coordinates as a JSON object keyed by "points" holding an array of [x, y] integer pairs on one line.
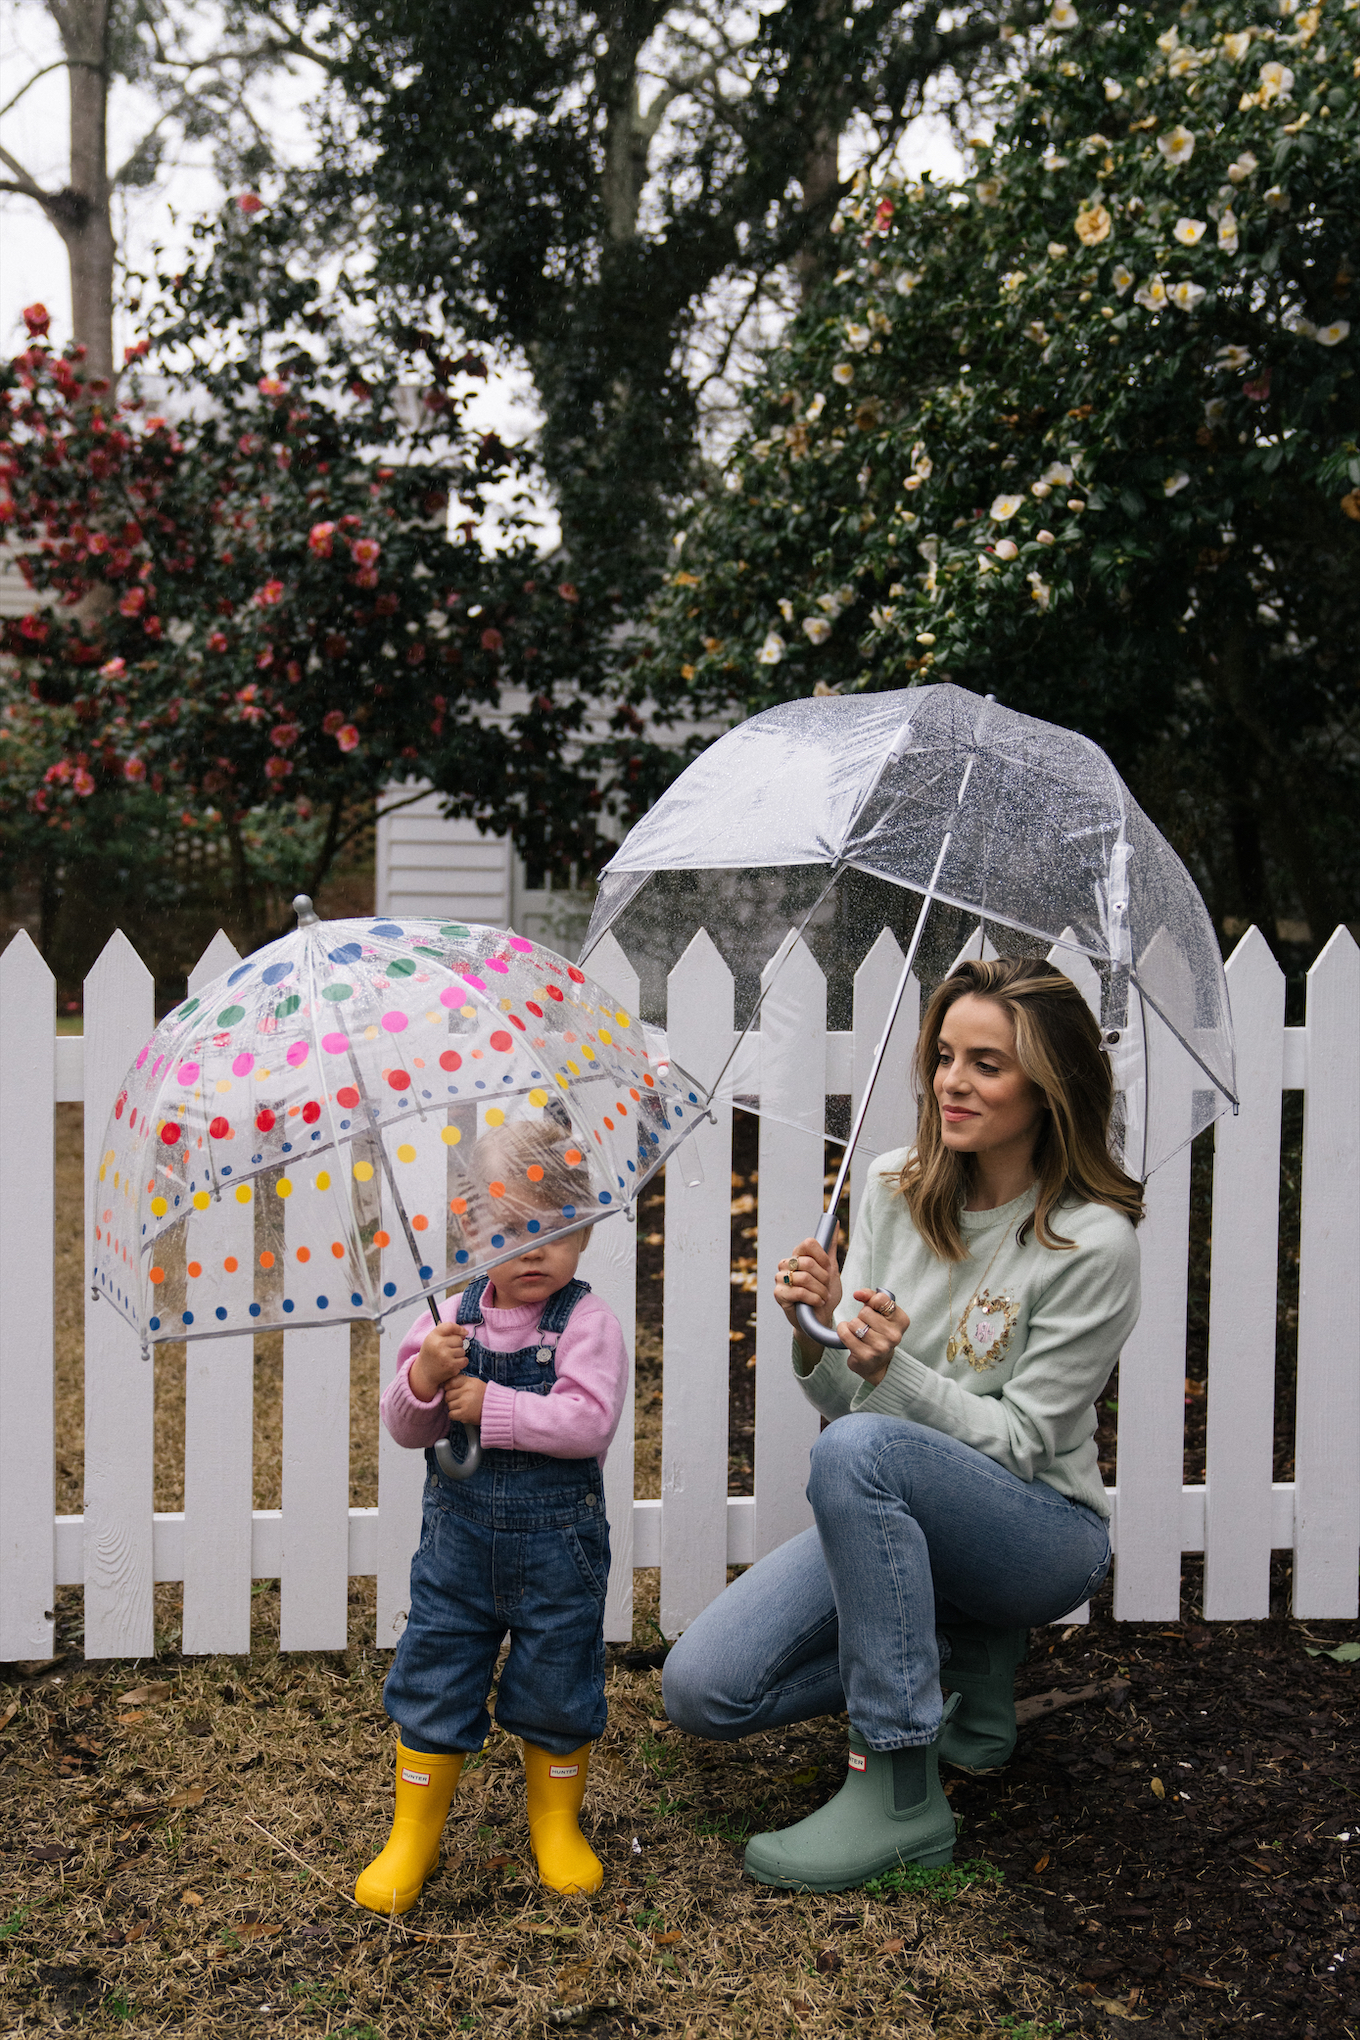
{"points": [[873, 1334]]}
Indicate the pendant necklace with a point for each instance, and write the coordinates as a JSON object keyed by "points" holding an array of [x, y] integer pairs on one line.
{"points": [[954, 1347]]}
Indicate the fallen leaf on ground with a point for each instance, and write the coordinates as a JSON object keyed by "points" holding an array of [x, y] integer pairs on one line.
{"points": [[9, 1714], [188, 1795], [140, 1695], [497, 1862], [668, 1940], [52, 1852], [191, 1898], [828, 1962], [1042, 1864], [255, 1930], [134, 1933], [127, 1720], [892, 1947], [1157, 1788], [1344, 1654], [1117, 2007]]}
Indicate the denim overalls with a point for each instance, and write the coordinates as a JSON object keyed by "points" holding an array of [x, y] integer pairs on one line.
{"points": [[522, 1546]]}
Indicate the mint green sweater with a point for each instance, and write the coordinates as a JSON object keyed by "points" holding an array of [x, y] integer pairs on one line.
{"points": [[1043, 1335]]}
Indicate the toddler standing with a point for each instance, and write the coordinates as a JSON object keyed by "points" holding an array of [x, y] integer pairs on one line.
{"points": [[522, 1546]]}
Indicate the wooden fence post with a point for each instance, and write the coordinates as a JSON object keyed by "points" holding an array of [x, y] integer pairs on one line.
{"points": [[890, 1121], [314, 1561], [27, 1486]]}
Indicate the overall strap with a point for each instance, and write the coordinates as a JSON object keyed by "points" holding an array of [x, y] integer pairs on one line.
{"points": [[470, 1302], [561, 1304]]}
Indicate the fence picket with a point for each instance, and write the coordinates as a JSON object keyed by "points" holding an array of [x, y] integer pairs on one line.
{"points": [[1327, 1433], [219, 1424], [1242, 1298], [401, 1472], [699, 1020], [27, 1487], [314, 1533], [793, 1084], [120, 1401], [890, 1121], [611, 1270]]}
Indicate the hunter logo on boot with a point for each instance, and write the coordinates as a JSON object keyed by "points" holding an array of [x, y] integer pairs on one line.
{"points": [[857, 1762], [564, 1770], [415, 1777]]}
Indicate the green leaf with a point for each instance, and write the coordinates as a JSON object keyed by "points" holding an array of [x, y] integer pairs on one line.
{"points": [[1344, 1654]]}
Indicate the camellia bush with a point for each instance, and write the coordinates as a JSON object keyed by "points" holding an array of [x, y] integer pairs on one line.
{"points": [[1083, 431]]}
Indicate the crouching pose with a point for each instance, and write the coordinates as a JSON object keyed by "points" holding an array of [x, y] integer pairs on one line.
{"points": [[522, 1545], [957, 1497]]}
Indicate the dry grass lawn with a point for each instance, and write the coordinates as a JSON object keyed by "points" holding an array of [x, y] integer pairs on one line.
{"points": [[181, 1837]]}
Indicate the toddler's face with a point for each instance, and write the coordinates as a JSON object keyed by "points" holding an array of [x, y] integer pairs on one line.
{"points": [[538, 1273]]}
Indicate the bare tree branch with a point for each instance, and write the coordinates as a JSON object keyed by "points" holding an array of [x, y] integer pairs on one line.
{"points": [[28, 185]]}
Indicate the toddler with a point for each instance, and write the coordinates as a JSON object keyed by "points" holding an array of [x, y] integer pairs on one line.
{"points": [[522, 1545]]}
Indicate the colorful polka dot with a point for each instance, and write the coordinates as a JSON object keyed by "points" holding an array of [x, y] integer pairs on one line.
{"points": [[394, 1023], [297, 1055], [501, 1041], [201, 1201], [243, 1193], [243, 1064], [420, 1223], [159, 1207], [266, 1260], [337, 1250], [382, 1239], [450, 1135], [495, 1117], [322, 1179], [284, 1187], [450, 1060], [363, 1172], [399, 1079], [231, 1264], [406, 1153]]}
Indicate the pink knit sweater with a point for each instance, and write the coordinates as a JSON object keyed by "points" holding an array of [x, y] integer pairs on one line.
{"points": [[578, 1417]]}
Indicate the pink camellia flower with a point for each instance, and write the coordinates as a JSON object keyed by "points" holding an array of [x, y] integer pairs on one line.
{"points": [[331, 721], [217, 641], [567, 591], [365, 551], [1259, 390], [492, 641], [249, 202], [883, 213], [58, 774], [278, 768], [33, 627], [271, 386], [37, 318], [321, 539], [114, 669], [347, 737], [284, 734], [137, 350], [134, 769], [266, 597], [133, 603], [153, 626], [367, 577], [82, 782]]}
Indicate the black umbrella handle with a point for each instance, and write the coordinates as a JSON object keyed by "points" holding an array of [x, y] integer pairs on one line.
{"points": [[812, 1327], [460, 1469]]}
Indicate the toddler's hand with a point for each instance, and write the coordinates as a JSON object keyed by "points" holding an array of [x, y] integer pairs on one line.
{"points": [[440, 1360], [463, 1399]]}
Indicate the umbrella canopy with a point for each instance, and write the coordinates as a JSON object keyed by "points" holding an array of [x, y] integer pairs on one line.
{"points": [[832, 818], [358, 1082]]}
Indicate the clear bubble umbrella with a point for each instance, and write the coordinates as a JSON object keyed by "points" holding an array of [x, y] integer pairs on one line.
{"points": [[463, 1087], [928, 811]]}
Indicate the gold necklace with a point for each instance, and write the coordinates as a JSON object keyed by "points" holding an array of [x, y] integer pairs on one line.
{"points": [[954, 1347]]}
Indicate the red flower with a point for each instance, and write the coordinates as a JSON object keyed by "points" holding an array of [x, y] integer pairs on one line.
{"points": [[249, 202], [82, 782], [285, 734], [347, 737], [33, 627], [114, 670], [271, 386], [321, 539], [367, 577], [567, 590], [153, 627], [331, 721], [133, 603], [137, 349], [266, 597], [37, 318], [883, 213], [492, 641], [1259, 390], [278, 768], [365, 551], [134, 769], [217, 641]]}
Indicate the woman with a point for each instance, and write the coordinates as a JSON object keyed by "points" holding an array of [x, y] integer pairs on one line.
{"points": [[995, 1272]]}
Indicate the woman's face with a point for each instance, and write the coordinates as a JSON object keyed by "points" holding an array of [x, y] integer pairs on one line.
{"points": [[986, 1101]]}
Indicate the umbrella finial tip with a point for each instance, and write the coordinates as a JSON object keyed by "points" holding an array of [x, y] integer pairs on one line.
{"points": [[305, 911]]}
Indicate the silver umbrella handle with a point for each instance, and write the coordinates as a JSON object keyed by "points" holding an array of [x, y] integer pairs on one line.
{"points": [[812, 1327], [460, 1469]]}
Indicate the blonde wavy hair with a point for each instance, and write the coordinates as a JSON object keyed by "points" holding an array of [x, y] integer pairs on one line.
{"points": [[1057, 1044]]}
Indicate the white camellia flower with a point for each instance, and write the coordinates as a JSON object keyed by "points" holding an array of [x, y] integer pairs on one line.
{"points": [[1173, 484], [1277, 82], [857, 337], [906, 283], [772, 651], [816, 629], [843, 276], [1039, 589], [1044, 538], [1121, 278], [1277, 198], [1004, 507], [1333, 335], [1151, 295], [1183, 62], [1227, 232], [1064, 15], [1006, 549], [1215, 412], [1169, 39], [1051, 160], [912, 482], [1241, 170], [986, 564], [881, 618], [785, 608], [1057, 471], [1035, 331], [843, 372], [1041, 489], [831, 604], [1297, 323], [1013, 279], [1236, 44], [1113, 89], [1233, 357], [1186, 297], [1190, 232], [815, 409], [1178, 146], [988, 191], [922, 466], [1056, 251]]}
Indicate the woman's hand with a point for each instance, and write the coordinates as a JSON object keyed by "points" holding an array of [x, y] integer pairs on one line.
{"points": [[873, 1334], [463, 1399], [809, 1275], [440, 1360]]}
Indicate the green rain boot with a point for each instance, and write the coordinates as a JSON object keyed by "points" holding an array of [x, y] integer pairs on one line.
{"points": [[890, 1811], [981, 1670]]}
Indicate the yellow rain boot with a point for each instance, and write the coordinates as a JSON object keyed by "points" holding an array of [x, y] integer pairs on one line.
{"points": [[425, 1788], [557, 1785]]}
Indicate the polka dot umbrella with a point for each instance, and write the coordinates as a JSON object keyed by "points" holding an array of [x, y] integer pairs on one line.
{"points": [[367, 1112]]}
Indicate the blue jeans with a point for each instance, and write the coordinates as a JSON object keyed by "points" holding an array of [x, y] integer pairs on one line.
{"points": [[913, 1529]]}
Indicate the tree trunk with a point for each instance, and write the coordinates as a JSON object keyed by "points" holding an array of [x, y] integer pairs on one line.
{"points": [[81, 213], [820, 181], [627, 135]]}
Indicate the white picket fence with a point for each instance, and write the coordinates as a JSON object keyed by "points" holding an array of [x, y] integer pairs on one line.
{"points": [[315, 1542]]}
